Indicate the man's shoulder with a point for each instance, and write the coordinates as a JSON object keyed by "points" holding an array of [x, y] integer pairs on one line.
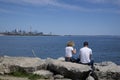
{"points": [[86, 48], [90, 49], [81, 48]]}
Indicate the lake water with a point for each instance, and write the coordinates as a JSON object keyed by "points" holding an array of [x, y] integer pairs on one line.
{"points": [[105, 48]]}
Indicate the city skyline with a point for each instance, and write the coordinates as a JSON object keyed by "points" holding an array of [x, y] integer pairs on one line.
{"points": [[61, 17]]}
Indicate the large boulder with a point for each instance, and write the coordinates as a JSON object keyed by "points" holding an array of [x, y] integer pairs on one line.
{"points": [[107, 71], [67, 69], [29, 64]]}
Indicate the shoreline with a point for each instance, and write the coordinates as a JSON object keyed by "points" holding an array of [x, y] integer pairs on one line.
{"points": [[27, 35], [52, 58], [50, 68], [1, 34]]}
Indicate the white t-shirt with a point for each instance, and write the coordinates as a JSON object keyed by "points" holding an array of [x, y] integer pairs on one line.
{"points": [[68, 51], [85, 53]]}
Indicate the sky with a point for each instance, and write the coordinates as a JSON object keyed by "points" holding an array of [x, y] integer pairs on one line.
{"points": [[62, 17]]}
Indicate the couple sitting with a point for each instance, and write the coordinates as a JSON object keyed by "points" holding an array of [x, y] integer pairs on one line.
{"points": [[84, 55]]}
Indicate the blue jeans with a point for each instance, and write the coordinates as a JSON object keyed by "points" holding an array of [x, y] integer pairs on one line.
{"points": [[91, 63], [70, 59]]}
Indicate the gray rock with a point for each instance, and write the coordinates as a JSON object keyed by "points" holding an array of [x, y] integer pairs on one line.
{"points": [[29, 64], [74, 71], [90, 78], [61, 59], [58, 76], [45, 73], [108, 71], [67, 69], [63, 79]]}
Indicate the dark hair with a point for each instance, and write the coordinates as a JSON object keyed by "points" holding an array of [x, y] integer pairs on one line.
{"points": [[85, 43]]}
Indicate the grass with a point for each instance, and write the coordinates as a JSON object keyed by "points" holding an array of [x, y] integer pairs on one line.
{"points": [[22, 73]]}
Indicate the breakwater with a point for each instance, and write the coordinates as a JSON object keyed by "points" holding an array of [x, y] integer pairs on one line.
{"points": [[52, 68]]}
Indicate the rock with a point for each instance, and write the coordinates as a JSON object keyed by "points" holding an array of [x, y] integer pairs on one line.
{"points": [[90, 78], [68, 69], [63, 79], [4, 68], [29, 64], [61, 59], [105, 63], [108, 71], [58, 76], [104, 70], [45, 73]]}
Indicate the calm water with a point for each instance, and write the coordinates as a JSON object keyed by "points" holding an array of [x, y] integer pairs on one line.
{"points": [[105, 48]]}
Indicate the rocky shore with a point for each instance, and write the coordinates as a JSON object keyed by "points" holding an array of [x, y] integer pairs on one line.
{"points": [[58, 69]]}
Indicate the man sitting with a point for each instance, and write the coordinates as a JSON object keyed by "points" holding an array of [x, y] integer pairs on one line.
{"points": [[85, 55]]}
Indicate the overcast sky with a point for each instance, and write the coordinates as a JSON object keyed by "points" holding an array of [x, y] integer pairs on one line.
{"points": [[64, 17]]}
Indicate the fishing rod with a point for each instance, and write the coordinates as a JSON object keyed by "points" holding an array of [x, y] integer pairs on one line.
{"points": [[33, 52], [1, 56]]}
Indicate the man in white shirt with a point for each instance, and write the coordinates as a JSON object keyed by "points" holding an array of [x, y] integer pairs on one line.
{"points": [[85, 55], [85, 58]]}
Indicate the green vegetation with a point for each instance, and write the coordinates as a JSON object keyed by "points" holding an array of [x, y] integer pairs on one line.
{"points": [[22, 73]]}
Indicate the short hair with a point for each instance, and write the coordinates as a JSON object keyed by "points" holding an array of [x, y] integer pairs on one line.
{"points": [[70, 43], [85, 43]]}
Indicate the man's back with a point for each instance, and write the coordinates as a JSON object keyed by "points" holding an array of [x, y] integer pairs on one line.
{"points": [[85, 53]]}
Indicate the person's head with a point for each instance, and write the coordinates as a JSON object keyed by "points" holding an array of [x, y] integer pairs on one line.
{"points": [[85, 43], [70, 43]]}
